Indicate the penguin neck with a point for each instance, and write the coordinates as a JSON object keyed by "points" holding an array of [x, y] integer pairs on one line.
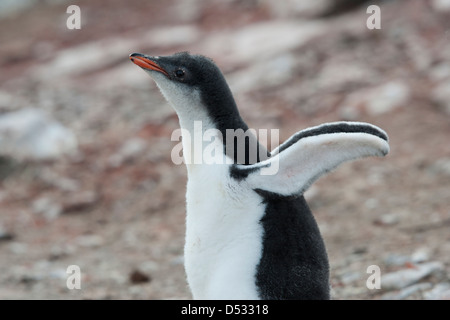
{"points": [[239, 143], [227, 134], [221, 107], [201, 112], [204, 138]]}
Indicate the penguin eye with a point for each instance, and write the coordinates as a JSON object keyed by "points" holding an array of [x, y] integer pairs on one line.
{"points": [[179, 73]]}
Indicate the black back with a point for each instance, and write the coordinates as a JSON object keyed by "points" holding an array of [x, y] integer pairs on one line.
{"points": [[294, 262]]}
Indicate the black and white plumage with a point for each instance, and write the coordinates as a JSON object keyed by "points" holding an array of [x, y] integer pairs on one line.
{"points": [[249, 233]]}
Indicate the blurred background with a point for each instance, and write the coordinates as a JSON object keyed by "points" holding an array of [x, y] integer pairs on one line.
{"points": [[86, 176]]}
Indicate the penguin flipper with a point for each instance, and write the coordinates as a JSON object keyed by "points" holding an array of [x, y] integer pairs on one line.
{"points": [[310, 153]]}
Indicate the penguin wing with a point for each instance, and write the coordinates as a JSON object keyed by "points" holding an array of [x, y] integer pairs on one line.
{"points": [[310, 153]]}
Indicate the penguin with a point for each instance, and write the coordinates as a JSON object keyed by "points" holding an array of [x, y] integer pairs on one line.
{"points": [[250, 234]]}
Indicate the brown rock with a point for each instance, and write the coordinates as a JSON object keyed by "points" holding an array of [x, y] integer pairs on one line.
{"points": [[138, 277]]}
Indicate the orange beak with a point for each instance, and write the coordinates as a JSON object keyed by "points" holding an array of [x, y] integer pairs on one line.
{"points": [[146, 63]]}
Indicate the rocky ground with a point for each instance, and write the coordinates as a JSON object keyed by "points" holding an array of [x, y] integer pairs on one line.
{"points": [[85, 167]]}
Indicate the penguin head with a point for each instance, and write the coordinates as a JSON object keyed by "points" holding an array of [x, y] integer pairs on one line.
{"points": [[181, 67], [193, 84]]}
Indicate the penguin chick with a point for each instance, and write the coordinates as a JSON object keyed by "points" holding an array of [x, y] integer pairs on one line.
{"points": [[249, 231]]}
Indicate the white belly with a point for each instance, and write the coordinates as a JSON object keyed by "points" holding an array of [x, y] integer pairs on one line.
{"points": [[223, 235]]}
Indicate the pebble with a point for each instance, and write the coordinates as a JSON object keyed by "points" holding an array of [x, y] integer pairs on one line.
{"points": [[350, 277], [129, 150], [387, 219], [51, 178], [138, 277], [440, 167], [255, 76], [79, 202], [439, 72], [18, 248], [440, 292], [33, 134], [178, 260], [149, 266], [89, 241], [58, 273], [395, 259], [171, 36], [440, 96], [407, 292], [336, 75], [420, 255], [5, 235], [403, 278], [376, 101], [187, 10], [60, 251], [46, 207], [441, 5], [298, 8], [10, 8], [388, 97]]}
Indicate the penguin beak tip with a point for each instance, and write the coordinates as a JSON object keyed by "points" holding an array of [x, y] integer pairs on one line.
{"points": [[146, 63]]}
